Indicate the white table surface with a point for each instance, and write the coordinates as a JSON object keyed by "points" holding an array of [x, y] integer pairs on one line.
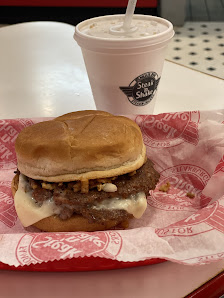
{"points": [[42, 73]]}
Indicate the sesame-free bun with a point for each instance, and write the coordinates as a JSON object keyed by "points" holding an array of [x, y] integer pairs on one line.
{"points": [[73, 224], [76, 223], [80, 146]]}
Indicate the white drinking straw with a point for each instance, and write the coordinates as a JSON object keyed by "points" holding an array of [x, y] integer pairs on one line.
{"points": [[126, 28], [129, 14]]}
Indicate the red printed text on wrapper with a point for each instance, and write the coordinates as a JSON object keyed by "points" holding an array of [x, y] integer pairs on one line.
{"points": [[37, 248], [206, 259], [185, 180], [9, 130], [205, 220], [168, 130], [220, 166], [8, 214]]}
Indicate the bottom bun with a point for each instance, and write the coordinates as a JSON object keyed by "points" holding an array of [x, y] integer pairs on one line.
{"points": [[76, 223]]}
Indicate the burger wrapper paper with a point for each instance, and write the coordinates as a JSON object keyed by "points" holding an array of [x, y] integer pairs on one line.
{"points": [[184, 224]]}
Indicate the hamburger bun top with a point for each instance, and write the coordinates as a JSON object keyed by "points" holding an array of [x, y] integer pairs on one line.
{"points": [[80, 146]]}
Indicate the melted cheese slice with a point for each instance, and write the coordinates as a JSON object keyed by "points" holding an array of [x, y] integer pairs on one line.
{"points": [[27, 210], [134, 204]]}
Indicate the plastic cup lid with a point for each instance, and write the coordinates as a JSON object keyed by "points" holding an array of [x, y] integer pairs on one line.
{"points": [[92, 42]]}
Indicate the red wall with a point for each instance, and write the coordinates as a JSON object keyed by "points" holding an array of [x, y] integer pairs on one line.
{"points": [[90, 3]]}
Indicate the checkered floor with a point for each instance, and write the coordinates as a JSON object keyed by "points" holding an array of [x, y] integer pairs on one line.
{"points": [[199, 45]]}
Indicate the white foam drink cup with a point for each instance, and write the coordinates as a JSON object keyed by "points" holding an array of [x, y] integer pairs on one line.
{"points": [[124, 70]]}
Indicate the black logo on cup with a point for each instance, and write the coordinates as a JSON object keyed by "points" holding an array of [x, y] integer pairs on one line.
{"points": [[142, 89]]}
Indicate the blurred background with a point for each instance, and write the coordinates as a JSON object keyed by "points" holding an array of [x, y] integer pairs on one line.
{"points": [[199, 24]]}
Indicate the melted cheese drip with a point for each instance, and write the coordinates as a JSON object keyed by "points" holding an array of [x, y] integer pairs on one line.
{"points": [[29, 212], [134, 204], [27, 209]]}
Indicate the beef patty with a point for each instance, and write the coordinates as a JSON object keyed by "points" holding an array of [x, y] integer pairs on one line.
{"points": [[72, 201]]}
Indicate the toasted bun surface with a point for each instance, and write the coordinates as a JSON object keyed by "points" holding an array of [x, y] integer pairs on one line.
{"points": [[80, 145], [74, 224]]}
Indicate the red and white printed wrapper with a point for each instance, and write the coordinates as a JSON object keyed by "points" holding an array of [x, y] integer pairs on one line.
{"points": [[188, 151]]}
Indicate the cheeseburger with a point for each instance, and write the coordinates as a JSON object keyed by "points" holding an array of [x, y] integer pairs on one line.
{"points": [[83, 171]]}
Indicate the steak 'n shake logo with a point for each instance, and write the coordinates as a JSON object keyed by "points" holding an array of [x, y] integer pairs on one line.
{"points": [[168, 130], [9, 130], [37, 248], [205, 220], [142, 89], [8, 214], [185, 181]]}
